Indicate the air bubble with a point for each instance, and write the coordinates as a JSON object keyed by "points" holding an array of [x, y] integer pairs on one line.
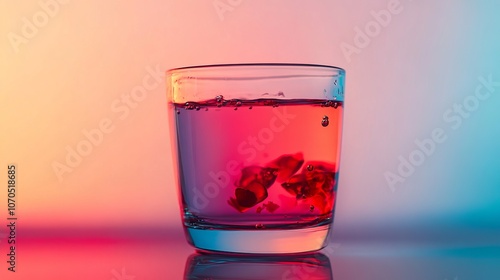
{"points": [[325, 122], [238, 103], [219, 99], [335, 105], [198, 108], [189, 106], [311, 208], [310, 167], [178, 112], [250, 108], [259, 226]]}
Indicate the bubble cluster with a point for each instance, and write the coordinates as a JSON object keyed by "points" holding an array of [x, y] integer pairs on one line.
{"points": [[219, 100], [331, 103]]}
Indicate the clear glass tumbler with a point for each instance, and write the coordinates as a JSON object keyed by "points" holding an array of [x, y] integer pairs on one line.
{"points": [[256, 154]]}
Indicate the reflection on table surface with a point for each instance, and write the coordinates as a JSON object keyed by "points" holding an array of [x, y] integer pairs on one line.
{"points": [[213, 266], [165, 255]]}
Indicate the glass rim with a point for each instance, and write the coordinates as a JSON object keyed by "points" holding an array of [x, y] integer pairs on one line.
{"points": [[277, 65]]}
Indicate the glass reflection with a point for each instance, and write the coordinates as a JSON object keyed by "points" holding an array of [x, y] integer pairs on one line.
{"points": [[294, 267]]}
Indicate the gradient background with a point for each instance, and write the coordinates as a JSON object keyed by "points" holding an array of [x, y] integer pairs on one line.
{"points": [[65, 76]]}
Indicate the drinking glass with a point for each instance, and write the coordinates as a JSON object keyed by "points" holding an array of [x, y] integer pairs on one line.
{"points": [[256, 154]]}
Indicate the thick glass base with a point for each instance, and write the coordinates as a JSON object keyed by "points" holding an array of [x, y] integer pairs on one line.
{"points": [[270, 241]]}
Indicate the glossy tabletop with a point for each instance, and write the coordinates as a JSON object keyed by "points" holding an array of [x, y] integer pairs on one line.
{"points": [[164, 254]]}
